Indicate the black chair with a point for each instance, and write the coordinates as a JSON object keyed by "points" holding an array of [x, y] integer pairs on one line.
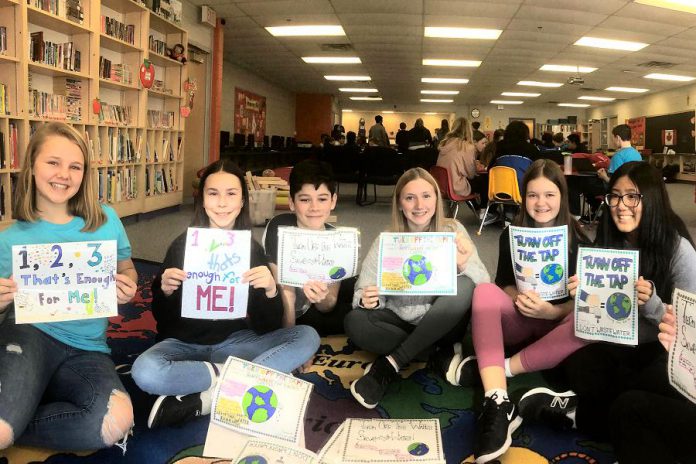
{"points": [[379, 166], [424, 158], [345, 163], [238, 140], [290, 143], [224, 139], [277, 142], [266, 144]]}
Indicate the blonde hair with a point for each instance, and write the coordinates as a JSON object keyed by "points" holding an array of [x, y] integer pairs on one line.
{"points": [[83, 204], [461, 132], [438, 223]]}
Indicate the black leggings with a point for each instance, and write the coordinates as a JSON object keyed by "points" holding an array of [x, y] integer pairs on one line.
{"points": [[331, 322], [383, 332]]}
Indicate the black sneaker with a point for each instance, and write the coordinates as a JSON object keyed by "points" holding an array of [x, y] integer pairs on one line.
{"points": [[549, 407], [174, 410], [445, 361], [494, 429], [467, 373], [370, 388]]}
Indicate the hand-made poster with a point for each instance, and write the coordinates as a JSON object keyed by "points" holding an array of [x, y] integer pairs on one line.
{"points": [[249, 114], [681, 365]]}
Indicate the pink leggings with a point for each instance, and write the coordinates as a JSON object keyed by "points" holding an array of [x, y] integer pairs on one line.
{"points": [[496, 323]]}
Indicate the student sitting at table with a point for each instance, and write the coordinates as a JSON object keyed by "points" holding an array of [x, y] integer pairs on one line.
{"points": [[624, 154], [312, 198], [399, 327], [457, 154]]}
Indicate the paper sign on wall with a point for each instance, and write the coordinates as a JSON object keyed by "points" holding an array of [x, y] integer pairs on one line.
{"points": [[540, 260], [214, 263], [65, 281], [606, 302], [323, 255], [681, 366], [417, 264]]}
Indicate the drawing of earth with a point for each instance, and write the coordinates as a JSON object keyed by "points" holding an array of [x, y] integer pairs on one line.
{"points": [[619, 306], [551, 273], [417, 270]]}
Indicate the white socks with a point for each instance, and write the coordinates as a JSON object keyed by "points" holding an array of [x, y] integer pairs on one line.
{"points": [[507, 368], [207, 395]]}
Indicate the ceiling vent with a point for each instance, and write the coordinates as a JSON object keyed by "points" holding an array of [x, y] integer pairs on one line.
{"points": [[336, 47], [553, 102], [589, 89], [656, 64]]}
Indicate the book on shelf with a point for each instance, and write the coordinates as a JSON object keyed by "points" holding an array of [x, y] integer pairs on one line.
{"points": [[71, 10], [157, 46], [57, 55], [2, 202], [160, 119], [4, 99], [13, 145], [3, 40], [3, 159], [115, 114], [114, 28]]}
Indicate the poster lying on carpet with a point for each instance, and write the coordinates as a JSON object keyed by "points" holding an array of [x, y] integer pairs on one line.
{"points": [[332, 450], [681, 365], [65, 281], [323, 255], [214, 263], [261, 402], [261, 451], [540, 260], [417, 264], [606, 302]]}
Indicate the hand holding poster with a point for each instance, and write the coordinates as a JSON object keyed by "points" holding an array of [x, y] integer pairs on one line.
{"points": [[681, 365], [606, 302], [540, 260], [323, 255], [214, 263], [417, 263], [64, 281]]}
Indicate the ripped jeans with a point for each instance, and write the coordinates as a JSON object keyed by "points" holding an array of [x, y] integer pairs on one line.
{"points": [[51, 394]]}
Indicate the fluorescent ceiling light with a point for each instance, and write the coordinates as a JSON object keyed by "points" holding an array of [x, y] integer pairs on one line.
{"points": [[440, 92], [295, 31], [687, 6], [574, 105], [507, 102], [462, 33], [430, 112], [367, 98], [626, 89], [434, 100], [519, 94], [611, 44], [356, 90], [599, 99], [564, 68], [347, 78], [669, 77], [443, 80], [347, 111], [540, 84], [331, 59], [457, 63]]}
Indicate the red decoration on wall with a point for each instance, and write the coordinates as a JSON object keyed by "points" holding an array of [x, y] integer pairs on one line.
{"points": [[249, 114], [147, 74]]}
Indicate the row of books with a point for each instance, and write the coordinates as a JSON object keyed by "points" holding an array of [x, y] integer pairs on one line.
{"points": [[119, 147], [4, 99], [9, 158], [157, 46], [71, 10], [159, 180], [54, 106], [160, 119], [58, 55], [160, 152], [115, 28], [115, 72], [3, 40], [116, 114], [117, 185]]}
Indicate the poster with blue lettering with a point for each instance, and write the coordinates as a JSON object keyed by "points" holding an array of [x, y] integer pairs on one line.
{"points": [[214, 263], [323, 255], [681, 365], [606, 302], [540, 260], [422, 263], [64, 281]]}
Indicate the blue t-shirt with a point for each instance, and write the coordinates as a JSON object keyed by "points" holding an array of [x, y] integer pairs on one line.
{"points": [[90, 334], [623, 156]]}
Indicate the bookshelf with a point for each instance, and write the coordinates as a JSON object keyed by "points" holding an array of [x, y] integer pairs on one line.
{"points": [[136, 138]]}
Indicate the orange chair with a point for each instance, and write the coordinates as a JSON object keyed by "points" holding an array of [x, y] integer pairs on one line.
{"points": [[503, 189], [444, 181]]}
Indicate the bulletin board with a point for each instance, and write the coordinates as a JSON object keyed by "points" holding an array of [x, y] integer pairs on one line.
{"points": [[677, 128]]}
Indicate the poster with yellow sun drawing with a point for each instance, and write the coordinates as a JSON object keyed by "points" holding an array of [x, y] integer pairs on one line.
{"points": [[64, 281]]}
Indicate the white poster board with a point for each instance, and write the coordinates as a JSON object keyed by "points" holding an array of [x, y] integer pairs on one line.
{"points": [[417, 263], [681, 365], [214, 263], [323, 255], [262, 451], [540, 260], [606, 302], [65, 281]]}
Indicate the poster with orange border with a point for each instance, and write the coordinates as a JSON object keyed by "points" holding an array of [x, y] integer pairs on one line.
{"points": [[249, 114], [637, 126]]}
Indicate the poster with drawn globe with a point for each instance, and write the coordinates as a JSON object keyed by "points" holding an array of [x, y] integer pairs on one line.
{"points": [[262, 402], [422, 263], [540, 260]]}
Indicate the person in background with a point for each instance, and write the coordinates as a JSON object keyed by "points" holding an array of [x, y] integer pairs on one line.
{"points": [[547, 140], [399, 327], [624, 154], [489, 152], [419, 136], [377, 136], [515, 150], [402, 138], [559, 141], [480, 143], [576, 146], [549, 150], [475, 126], [441, 133]]}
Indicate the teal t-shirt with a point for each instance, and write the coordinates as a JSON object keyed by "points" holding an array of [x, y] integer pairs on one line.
{"points": [[623, 156], [87, 334]]}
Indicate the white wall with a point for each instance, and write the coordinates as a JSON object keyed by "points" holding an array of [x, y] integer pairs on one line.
{"points": [[280, 103], [667, 102], [199, 34]]}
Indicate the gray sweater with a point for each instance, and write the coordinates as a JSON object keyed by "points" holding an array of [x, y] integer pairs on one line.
{"points": [[411, 308]]}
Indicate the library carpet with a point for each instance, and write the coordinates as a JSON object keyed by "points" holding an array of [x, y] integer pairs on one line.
{"points": [[420, 394]]}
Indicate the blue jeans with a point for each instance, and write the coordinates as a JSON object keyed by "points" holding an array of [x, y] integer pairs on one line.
{"points": [[172, 367], [53, 395]]}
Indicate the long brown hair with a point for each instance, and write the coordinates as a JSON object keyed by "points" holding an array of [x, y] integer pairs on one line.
{"points": [[200, 218], [438, 222], [84, 203]]}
